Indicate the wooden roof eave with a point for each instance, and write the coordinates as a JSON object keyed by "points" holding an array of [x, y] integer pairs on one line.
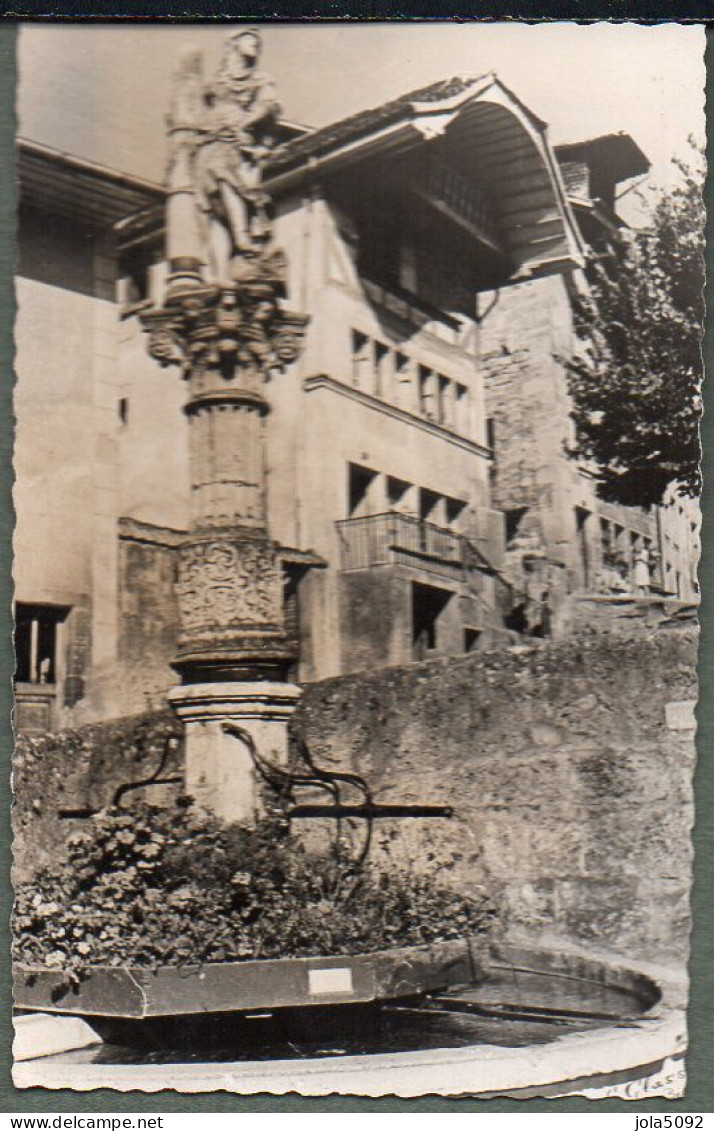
{"points": [[538, 131], [391, 139], [495, 93], [429, 120], [77, 188]]}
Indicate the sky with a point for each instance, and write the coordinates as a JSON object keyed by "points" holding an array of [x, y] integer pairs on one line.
{"points": [[101, 92]]}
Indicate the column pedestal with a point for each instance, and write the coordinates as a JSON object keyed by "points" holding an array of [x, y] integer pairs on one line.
{"points": [[219, 771]]}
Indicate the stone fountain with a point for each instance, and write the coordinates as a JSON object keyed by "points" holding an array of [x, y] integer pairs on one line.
{"points": [[223, 326]]}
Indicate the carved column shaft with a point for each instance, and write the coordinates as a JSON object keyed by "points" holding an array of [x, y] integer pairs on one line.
{"points": [[226, 421], [227, 337]]}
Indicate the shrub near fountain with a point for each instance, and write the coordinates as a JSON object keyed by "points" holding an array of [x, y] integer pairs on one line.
{"points": [[161, 891]]}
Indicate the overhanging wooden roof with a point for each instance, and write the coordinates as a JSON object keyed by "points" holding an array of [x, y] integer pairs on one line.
{"points": [[492, 136], [80, 190], [617, 153]]}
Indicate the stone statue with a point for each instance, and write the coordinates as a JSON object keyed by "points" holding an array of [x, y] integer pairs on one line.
{"points": [[231, 140], [227, 278]]}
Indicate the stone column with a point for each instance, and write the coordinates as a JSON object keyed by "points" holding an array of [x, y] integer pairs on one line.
{"points": [[227, 335], [232, 652]]}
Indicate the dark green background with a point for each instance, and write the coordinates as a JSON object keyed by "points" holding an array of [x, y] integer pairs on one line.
{"points": [[700, 1061]]}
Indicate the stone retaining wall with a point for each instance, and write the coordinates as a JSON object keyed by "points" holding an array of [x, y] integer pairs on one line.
{"points": [[571, 780], [569, 767]]}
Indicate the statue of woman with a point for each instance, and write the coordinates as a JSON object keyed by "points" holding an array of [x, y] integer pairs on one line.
{"points": [[235, 138]]}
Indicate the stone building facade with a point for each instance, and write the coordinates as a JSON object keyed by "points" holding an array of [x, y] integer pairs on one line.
{"points": [[417, 482], [554, 518]]}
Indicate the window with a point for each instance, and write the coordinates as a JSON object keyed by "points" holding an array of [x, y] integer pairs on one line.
{"points": [[430, 505], [381, 364], [401, 366], [379, 247], [402, 388], [292, 576], [428, 605], [446, 402], [514, 518], [454, 511], [471, 638], [36, 630], [135, 270], [582, 528], [461, 414], [360, 480], [426, 392], [360, 359], [397, 494]]}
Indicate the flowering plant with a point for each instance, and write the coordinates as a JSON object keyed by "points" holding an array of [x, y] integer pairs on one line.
{"points": [[157, 887]]}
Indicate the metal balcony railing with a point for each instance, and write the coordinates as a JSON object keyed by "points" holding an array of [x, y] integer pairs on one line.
{"points": [[402, 539], [376, 539]]}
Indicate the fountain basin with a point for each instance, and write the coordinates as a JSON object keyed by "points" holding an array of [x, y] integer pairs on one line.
{"points": [[220, 987], [613, 1029]]}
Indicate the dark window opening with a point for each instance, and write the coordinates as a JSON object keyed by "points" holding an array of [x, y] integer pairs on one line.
{"points": [[428, 502], [428, 604], [36, 642], [381, 358], [471, 638], [380, 254], [445, 406], [401, 366], [618, 536], [426, 392], [360, 358], [124, 410], [605, 537], [581, 526], [360, 480], [396, 490], [461, 418], [454, 510], [514, 518], [491, 443], [408, 267], [291, 580], [134, 272]]}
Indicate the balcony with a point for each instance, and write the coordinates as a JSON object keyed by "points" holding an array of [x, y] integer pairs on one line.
{"points": [[402, 539]]}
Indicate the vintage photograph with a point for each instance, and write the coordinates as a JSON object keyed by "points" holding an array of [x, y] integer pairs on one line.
{"points": [[357, 466]]}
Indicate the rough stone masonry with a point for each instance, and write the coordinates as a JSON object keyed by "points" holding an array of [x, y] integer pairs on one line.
{"points": [[569, 767]]}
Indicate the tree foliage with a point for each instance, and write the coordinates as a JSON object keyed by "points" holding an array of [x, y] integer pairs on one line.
{"points": [[635, 382]]}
